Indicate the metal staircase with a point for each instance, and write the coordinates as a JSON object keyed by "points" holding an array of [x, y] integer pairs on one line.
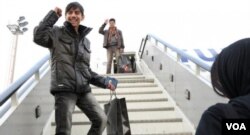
{"points": [[150, 110]]}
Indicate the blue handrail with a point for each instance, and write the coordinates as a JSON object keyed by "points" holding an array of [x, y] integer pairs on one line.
{"points": [[9, 91], [182, 53]]}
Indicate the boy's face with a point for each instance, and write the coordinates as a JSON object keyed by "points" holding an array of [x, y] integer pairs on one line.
{"points": [[74, 16]]}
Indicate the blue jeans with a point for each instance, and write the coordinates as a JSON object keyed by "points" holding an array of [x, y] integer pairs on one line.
{"points": [[64, 106]]}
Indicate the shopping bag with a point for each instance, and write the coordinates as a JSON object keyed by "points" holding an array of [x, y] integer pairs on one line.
{"points": [[124, 64], [118, 121]]}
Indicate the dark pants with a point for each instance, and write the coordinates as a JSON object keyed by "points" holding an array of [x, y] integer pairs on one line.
{"points": [[64, 106]]}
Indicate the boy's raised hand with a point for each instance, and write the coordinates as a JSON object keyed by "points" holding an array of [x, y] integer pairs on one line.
{"points": [[58, 11]]}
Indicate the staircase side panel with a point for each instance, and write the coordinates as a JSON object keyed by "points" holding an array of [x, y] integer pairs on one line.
{"points": [[23, 120]]}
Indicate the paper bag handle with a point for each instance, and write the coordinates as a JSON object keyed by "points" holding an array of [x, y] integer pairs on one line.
{"points": [[111, 95]]}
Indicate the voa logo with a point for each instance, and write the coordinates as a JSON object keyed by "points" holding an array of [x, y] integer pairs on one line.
{"points": [[236, 126]]}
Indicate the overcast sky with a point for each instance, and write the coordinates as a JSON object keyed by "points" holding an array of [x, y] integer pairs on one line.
{"points": [[183, 23]]}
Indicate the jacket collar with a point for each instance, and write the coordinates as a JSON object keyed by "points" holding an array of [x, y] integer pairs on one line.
{"points": [[242, 103], [83, 30]]}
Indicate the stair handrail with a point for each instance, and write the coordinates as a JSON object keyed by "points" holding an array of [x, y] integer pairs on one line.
{"points": [[10, 90], [180, 52]]}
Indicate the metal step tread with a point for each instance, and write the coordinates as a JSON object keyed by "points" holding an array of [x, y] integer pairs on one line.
{"points": [[131, 85], [138, 106], [128, 93], [147, 116], [146, 80], [123, 74], [132, 97], [174, 120], [172, 128], [141, 109], [101, 90], [131, 77], [181, 133], [160, 128], [139, 100]]}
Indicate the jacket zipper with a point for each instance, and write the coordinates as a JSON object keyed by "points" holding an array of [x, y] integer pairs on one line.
{"points": [[76, 54]]}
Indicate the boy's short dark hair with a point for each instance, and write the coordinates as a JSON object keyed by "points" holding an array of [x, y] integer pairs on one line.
{"points": [[112, 19], [74, 5]]}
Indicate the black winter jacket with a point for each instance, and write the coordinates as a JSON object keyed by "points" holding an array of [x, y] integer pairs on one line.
{"points": [[211, 120], [70, 56]]}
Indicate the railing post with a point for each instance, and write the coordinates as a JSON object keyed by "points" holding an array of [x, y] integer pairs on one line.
{"points": [[197, 69], [178, 57], [148, 38], [143, 47], [14, 100], [142, 41], [37, 76], [165, 48]]}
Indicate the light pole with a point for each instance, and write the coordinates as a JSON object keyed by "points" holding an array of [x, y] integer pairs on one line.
{"points": [[16, 29]]}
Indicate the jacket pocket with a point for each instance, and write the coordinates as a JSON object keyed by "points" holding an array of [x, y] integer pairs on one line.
{"points": [[84, 52], [65, 45], [63, 76], [87, 48], [85, 72], [82, 82]]}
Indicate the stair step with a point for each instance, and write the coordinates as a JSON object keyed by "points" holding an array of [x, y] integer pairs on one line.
{"points": [[132, 97], [138, 106], [131, 85], [101, 90], [142, 109], [172, 128], [123, 74], [147, 80], [181, 133], [131, 77], [173, 120], [136, 80], [138, 100], [130, 93], [140, 117]]}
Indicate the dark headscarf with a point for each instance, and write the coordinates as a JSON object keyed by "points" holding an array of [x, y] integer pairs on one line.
{"points": [[230, 72]]}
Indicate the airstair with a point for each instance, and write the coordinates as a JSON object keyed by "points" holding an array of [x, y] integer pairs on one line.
{"points": [[164, 96]]}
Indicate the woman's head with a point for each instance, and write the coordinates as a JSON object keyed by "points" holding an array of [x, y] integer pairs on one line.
{"points": [[112, 22], [230, 73]]}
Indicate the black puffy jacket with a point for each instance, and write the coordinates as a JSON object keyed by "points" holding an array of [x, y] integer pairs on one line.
{"points": [[70, 55]]}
